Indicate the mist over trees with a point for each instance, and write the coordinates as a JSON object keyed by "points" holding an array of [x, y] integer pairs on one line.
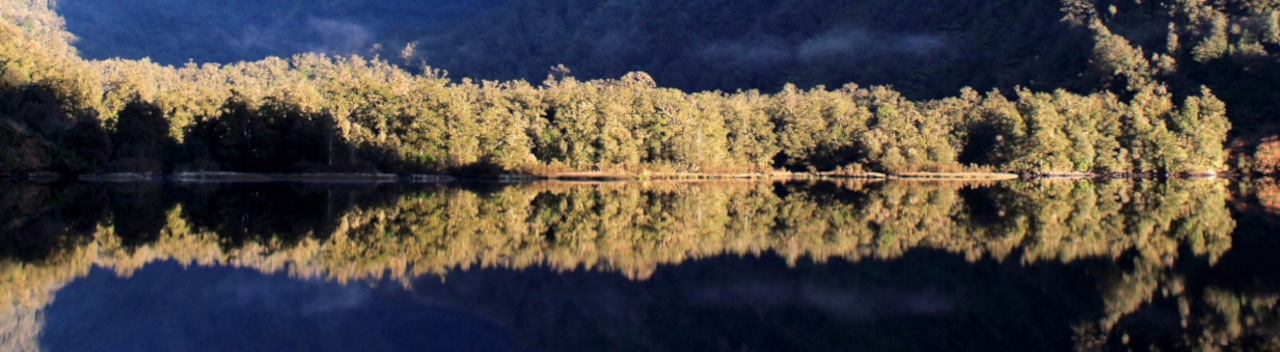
{"points": [[926, 49]]}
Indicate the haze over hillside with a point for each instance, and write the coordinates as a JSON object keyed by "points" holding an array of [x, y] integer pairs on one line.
{"points": [[926, 49]]}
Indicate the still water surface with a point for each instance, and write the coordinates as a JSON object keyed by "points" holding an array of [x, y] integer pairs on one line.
{"points": [[733, 266]]}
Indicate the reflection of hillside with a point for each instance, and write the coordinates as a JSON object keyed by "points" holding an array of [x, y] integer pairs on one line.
{"points": [[632, 228], [1230, 304], [923, 301], [54, 234]]}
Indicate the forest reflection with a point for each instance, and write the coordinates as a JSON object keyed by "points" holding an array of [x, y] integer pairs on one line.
{"points": [[1153, 250]]}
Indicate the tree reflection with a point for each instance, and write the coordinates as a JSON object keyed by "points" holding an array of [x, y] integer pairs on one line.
{"points": [[1166, 242]]}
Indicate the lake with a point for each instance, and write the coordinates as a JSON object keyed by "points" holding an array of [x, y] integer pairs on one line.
{"points": [[1051, 265]]}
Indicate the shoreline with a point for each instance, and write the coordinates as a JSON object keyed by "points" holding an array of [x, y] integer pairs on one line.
{"points": [[343, 177]]}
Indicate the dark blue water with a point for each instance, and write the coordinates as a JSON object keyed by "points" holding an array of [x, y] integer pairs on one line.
{"points": [[165, 307], [925, 301]]}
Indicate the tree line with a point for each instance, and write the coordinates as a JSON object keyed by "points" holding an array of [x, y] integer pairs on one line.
{"points": [[926, 49], [320, 113], [1155, 98]]}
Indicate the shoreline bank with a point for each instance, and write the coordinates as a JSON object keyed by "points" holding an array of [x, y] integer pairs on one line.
{"points": [[340, 177]]}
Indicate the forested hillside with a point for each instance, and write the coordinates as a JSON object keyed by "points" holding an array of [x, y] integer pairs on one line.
{"points": [[1056, 87], [925, 48]]}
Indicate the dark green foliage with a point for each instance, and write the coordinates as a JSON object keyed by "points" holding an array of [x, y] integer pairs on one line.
{"points": [[1181, 47], [141, 138], [46, 123]]}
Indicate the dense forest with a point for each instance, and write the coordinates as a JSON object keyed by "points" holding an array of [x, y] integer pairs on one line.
{"points": [[1173, 239], [1072, 90]]}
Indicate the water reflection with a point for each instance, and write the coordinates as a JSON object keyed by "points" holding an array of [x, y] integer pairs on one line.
{"points": [[166, 307], [1020, 265]]}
